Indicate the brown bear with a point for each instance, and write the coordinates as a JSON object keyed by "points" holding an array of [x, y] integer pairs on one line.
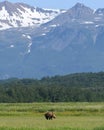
{"points": [[49, 115]]}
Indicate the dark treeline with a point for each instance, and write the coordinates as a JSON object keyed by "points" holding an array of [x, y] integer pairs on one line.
{"points": [[74, 87]]}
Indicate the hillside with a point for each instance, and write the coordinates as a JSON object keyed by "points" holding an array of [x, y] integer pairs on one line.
{"points": [[85, 87]]}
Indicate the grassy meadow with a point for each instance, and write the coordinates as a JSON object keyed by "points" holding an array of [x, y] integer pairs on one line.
{"points": [[69, 116]]}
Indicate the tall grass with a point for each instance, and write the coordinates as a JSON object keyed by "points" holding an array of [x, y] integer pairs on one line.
{"points": [[69, 116], [64, 128], [85, 108], [42, 107], [5, 128]]}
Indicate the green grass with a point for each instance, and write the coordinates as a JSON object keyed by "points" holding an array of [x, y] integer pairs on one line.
{"points": [[70, 116]]}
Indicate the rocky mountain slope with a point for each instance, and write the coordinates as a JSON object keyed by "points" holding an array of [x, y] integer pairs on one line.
{"points": [[71, 42]]}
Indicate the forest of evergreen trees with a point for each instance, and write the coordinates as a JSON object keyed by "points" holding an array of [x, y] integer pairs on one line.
{"points": [[74, 87]]}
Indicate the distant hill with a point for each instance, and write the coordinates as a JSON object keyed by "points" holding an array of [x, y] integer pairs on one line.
{"points": [[86, 87]]}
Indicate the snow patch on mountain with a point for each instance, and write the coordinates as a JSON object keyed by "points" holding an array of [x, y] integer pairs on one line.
{"points": [[27, 36], [29, 47], [11, 46], [29, 43], [43, 34], [88, 22], [54, 25]]}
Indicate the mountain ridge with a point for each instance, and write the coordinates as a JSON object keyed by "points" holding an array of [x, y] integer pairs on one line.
{"points": [[71, 42]]}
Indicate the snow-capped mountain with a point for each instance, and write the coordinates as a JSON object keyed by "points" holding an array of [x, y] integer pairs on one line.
{"points": [[72, 41], [22, 15]]}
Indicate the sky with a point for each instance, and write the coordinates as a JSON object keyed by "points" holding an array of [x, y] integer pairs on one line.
{"points": [[61, 4]]}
